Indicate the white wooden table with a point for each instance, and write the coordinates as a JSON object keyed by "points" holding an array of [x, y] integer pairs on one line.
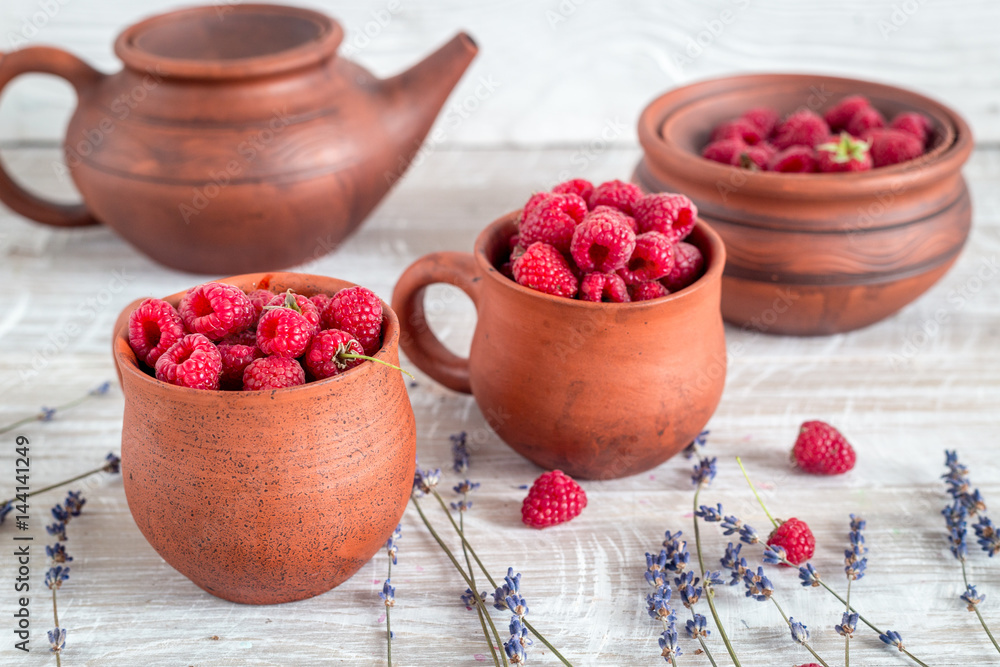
{"points": [[123, 605]]}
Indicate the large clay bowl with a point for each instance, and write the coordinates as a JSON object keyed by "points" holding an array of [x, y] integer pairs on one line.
{"points": [[270, 496], [813, 254], [598, 390]]}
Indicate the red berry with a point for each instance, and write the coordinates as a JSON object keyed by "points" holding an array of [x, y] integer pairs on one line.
{"points": [[672, 215], [603, 242], [321, 301], [615, 213], [235, 359], [300, 303], [541, 267], [843, 153], [796, 539], [358, 311], [554, 498], [193, 362], [756, 158], [804, 128], [652, 259], [532, 201], [617, 194], [553, 220], [915, 123], [248, 337], [794, 160], [864, 120], [153, 328], [821, 449], [763, 118], [272, 373], [647, 291], [688, 265], [726, 151], [321, 356], [889, 147], [841, 113], [577, 186], [608, 287], [283, 332], [739, 128], [216, 310], [259, 298]]}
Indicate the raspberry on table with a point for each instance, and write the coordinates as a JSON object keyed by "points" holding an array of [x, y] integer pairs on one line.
{"points": [[358, 311], [652, 259], [235, 359], [193, 361], [864, 120], [283, 332], [541, 267], [843, 153], [603, 242], [726, 151], [841, 113], [553, 220], [216, 310], [688, 265], [153, 327], [647, 291], [321, 356], [763, 118], [795, 537], [554, 498], [617, 194], [803, 127], [576, 186], [300, 303], [608, 287], [889, 147], [272, 373], [794, 160], [820, 449], [915, 123]]}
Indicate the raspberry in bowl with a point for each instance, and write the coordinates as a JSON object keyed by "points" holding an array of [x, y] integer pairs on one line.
{"points": [[815, 253], [282, 483], [582, 378]]}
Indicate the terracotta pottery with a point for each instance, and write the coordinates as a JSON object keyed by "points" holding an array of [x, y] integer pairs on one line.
{"points": [[813, 253], [598, 390], [263, 497], [235, 139]]}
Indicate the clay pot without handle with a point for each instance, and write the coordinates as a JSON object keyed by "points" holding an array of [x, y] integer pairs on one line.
{"points": [[813, 254], [235, 139], [263, 497], [598, 390]]}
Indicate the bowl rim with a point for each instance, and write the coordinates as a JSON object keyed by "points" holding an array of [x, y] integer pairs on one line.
{"points": [[714, 265], [127, 362], [667, 155]]}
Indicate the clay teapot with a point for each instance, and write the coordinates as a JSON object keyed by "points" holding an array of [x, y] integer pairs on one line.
{"points": [[235, 139]]}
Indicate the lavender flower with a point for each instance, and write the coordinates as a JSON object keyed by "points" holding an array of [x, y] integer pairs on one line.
{"points": [[60, 513], [511, 585], [388, 594], [515, 651], [959, 486], [74, 502], [700, 440], [710, 514], [517, 605], [57, 553], [809, 575], [55, 576], [758, 586], [6, 509], [519, 631], [988, 538], [464, 489], [697, 627], [658, 604], [774, 555], [733, 562], [954, 518], [690, 594], [732, 525], [460, 452], [424, 481], [848, 624], [800, 633], [655, 566], [892, 638], [57, 640], [391, 547], [668, 643], [47, 414], [113, 463], [101, 389], [57, 529], [677, 552], [971, 597], [469, 599], [704, 472], [855, 560]]}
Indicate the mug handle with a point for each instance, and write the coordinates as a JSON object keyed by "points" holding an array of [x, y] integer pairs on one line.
{"points": [[418, 341], [83, 77]]}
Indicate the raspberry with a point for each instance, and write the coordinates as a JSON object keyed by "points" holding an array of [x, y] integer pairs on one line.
{"points": [[321, 301], [300, 304], [915, 123], [741, 129], [554, 498], [652, 259], [841, 113], [821, 449], [577, 186], [756, 157], [647, 291], [152, 328], [530, 204], [890, 147], [843, 153], [193, 362], [259, 298], [272, 373], [608, 287], [864, 120], [216, 310], [615, 212], [796, 539], [235, 359], [357, 311], [688, 264], [726, 151], [618, 194], [283, 332], [794, 160], [763, 118], [603, 242], [248, 337], [541, 267], [321, 356], [804, 128], [553, 220]]}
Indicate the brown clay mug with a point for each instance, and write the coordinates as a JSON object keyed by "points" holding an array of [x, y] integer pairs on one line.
{"points": [[263, 497], [598, 390]]}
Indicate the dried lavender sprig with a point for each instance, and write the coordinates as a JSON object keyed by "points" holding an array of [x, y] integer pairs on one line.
{"points": [[112, 464], [388, 593], [46, 414], [855, 562], [460, 452], [697, 629], [675, 558], [464, 489]]}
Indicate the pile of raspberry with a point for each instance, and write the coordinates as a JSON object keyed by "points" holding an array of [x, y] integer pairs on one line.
{"points": [[851, 136], [608, 243], [220, 337]]}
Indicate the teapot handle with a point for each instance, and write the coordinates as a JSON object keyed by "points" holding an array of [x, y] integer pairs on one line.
{"points": [[418, 340], [83, 77]]}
